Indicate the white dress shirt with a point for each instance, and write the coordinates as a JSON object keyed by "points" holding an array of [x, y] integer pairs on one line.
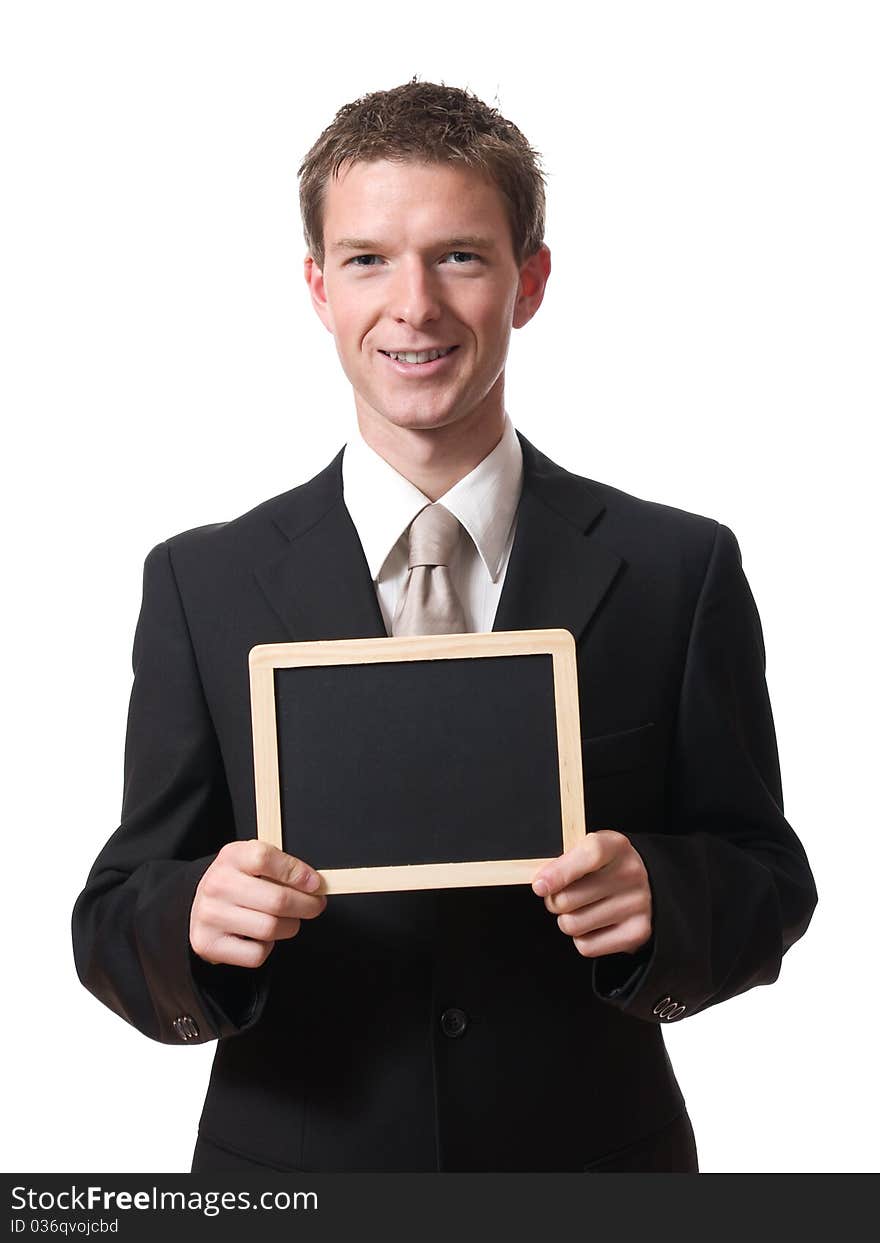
{"points": [[382, 504]]}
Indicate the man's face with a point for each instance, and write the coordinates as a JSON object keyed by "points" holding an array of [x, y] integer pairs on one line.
{"points": [[420, 257]]}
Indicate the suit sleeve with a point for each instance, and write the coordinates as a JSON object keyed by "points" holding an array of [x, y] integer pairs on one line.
{"points": [[731, 886], [131, 922]]}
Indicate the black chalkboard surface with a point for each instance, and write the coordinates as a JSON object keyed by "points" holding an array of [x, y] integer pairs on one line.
{"points": [[419, 762]]}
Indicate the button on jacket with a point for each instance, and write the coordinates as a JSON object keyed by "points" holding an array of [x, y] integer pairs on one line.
{"points": [[454, 1029]]}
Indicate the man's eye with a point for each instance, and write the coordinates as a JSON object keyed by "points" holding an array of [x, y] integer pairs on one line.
{"points": [[466, 255]]}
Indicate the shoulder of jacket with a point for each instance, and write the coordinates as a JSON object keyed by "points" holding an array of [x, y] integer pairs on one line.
{"points": [[663, 520], [226, 538]]}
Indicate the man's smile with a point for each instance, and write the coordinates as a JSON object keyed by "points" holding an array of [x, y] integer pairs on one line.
{"points": [[429, 363]]}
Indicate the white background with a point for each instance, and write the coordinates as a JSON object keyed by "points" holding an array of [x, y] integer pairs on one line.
{"points": [[708, 339]]}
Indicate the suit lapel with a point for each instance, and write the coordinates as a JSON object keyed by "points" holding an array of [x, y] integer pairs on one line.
{"points": [[557, 575], [320, 586]]}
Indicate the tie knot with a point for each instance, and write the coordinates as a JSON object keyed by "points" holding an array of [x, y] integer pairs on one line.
{"points": [[433, 535]]}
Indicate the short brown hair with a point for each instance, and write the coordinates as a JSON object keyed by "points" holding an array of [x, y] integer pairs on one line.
{"points": [[427, 123]]}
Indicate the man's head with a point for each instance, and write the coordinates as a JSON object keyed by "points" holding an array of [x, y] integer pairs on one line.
{"points": [[423, 214]]}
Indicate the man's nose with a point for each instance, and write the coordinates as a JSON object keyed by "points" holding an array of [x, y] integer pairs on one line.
{"points": [[415, 293]]}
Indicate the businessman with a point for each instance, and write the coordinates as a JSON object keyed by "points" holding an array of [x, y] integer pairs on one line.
{"points": [[510, 1028]]}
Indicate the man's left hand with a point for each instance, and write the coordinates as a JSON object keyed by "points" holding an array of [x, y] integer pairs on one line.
{"points": [[601, 894]]}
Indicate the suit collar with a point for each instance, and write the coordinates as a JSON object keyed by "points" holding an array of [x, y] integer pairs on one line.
{"points": [[321, 586], [383, 503]]}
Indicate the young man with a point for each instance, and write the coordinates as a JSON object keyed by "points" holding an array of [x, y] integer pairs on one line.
{"points": [[491, 1029]]}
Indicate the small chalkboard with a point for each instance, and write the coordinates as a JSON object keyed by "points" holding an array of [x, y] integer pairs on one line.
{"points": [[421, 762]]}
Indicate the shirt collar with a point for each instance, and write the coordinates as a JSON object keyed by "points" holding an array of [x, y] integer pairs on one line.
{"points": [[382, 503]]}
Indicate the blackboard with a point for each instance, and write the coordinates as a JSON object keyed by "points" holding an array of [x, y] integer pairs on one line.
{"points": [[419, 762]]}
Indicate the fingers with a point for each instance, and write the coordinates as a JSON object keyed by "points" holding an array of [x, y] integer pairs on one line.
{"points": [[215, 945], [238, 952], [580, 893], [602, 914], [251, 896], [624, 938], [600, 893], [261, 859], [591, 853], [258, 894], [240, 921]]}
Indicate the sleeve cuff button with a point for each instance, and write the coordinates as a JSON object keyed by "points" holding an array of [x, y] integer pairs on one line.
{"points": [[186, 1027], [667, 1009]]}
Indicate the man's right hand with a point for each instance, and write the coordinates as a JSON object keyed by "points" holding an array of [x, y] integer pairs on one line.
{"points": [[251, 896]]}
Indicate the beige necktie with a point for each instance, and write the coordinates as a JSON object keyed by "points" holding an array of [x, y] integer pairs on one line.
{"points": [[428, 602]]}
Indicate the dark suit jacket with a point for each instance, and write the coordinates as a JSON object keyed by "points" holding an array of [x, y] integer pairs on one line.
{"points": [[335, 1055]]}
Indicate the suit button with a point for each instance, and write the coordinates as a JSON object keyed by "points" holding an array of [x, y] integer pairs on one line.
{"points": [[453, 1022], [667, 1009], [186, 1027]]}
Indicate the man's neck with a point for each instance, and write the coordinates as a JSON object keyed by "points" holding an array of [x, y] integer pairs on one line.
{"points": [[434, 460]]}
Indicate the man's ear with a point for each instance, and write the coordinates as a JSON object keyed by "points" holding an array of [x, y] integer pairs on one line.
{"points": [[533, 277], [315, 281]]}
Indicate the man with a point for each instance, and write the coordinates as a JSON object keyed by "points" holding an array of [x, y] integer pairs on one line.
{"points": [[486, 1029]]}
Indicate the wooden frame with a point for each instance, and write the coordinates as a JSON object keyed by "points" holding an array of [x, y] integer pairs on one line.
{"points": [[264, 659]]}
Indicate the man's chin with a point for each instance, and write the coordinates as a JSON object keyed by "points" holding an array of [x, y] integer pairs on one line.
{"points": [[419, 419]]}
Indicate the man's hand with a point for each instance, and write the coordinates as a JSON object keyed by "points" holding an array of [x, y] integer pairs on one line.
{"points": [[251, 896], [601, 894]]}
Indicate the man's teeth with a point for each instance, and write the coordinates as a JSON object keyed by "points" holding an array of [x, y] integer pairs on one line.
{"points": [[426, 356]]}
